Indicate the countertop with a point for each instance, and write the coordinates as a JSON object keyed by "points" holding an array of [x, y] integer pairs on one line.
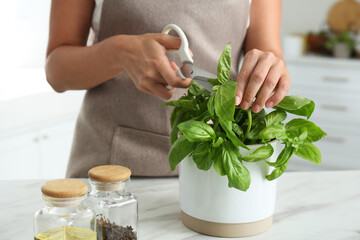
{"points": [[310, 205]]}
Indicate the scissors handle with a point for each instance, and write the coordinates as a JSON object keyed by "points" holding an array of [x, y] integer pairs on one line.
{"points": [[183, 52]]}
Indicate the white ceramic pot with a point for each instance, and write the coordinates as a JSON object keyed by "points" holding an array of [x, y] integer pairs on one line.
{"points": [[341, 50], [210, 207]]}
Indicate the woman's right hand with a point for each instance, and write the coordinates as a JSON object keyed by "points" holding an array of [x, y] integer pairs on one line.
{"points": [[143, 58], [70, 64]]}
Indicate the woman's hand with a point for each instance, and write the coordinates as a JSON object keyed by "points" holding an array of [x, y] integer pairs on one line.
{"points": [[70, 64], [261, 74], [143, 58]]}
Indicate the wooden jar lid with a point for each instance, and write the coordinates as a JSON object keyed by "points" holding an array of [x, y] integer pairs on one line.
{"points": [[64, 188], [109, 173]]}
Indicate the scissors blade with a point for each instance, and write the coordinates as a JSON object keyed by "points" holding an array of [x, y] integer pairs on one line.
{"points": [[203, 82], [202, 76], [196, 71]]}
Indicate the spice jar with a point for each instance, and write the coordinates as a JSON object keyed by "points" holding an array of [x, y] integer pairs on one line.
{"points": [[116, 209], [64, 215]]}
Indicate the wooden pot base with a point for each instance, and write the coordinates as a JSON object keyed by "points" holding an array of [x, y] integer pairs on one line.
{"points": [[230, 230]]}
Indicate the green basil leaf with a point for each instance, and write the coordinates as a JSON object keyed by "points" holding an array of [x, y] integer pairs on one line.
{"points": [[273, 131], [218, 142], [217, 155], [275, 117], [237, 129], [202, 156], [181, 103], [277, 172], [309, 152], [196, 131], [224, 65], [281, 163], [314, 133], [215, 88], [227, 126], [221, 134], [303, 134], [261, 153], [255, 131], [211, 105], [296, 105], [238, 175], [213, 82], [258, 117], [179, 150], [201, 148], [296, 140], [174, 134], [196, 89], [283, 157], [225, 101], [240, 116], [174, 115], [204, 117], [178, 115]]}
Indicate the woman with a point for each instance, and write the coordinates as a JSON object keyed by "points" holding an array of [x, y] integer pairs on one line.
{"points": [[126, 71]]}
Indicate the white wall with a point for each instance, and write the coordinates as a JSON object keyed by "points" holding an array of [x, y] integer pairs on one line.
{"points": [[23, 32], [302, 16]]}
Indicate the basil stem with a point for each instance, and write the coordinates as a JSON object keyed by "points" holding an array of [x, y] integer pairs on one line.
{"points": [[249, 122]]}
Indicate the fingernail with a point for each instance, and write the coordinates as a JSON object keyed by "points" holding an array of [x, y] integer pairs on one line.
{"points": [[245, 105], [174, 66], [256, 108], [270, 104], [237, 100], [191, 53]]}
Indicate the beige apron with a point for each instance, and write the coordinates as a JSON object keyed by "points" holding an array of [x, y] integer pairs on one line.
{"points": [[118, 124]]}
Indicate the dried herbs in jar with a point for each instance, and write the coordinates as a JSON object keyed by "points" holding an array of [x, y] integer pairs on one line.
{"points": [[111, 231], [116, 209]]}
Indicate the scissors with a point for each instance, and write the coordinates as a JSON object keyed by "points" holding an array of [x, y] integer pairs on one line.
{"points": [[188, 69]]}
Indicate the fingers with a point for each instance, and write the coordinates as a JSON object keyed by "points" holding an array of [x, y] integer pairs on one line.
{"points": [[169, 42], [162, 91], [261, 71], [151, 82], [150, 69], [163, 65], [256, 80], [191, 53], [283, 87], [167, 71], [246, 70], [156, 88], [268, 87]]}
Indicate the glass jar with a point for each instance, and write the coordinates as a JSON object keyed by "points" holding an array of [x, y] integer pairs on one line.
{"points": [[64, 215], [116, 209]]}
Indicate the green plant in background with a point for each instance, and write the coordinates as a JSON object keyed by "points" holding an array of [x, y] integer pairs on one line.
{"points": [[344, 37], [213, 129]]}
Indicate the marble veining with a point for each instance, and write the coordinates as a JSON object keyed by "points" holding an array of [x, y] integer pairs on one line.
{"points": [[310, 205]]}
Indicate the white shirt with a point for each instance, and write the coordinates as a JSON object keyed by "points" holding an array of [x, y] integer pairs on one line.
{"points": [[95, 25]]}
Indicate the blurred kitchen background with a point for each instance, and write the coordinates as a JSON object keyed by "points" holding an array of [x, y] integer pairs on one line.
{"points": [[321, 44]]}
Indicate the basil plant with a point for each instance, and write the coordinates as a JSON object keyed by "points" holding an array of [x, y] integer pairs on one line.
{"points": [[213, 128]]}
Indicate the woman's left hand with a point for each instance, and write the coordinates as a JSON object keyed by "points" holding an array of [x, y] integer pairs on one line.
{"points": [[265, 72]]}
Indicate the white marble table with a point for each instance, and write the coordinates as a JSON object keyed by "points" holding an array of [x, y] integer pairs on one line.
{"points": [[310, 205]]}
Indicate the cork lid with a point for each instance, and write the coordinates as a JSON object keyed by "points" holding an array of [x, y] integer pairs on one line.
{"points": [[109, 173], [64, 188]]}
